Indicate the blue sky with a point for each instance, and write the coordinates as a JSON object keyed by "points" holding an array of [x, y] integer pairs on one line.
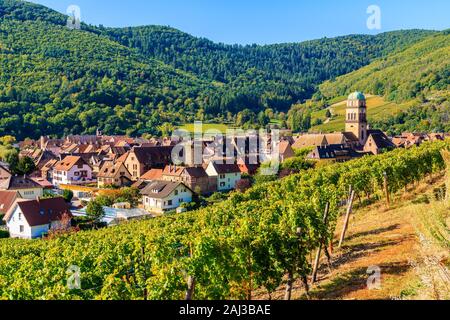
{"points": [[262, 21]]}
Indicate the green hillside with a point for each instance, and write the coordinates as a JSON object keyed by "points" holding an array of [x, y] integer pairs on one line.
{"points": [[430, 114], [419, 69], [57, 81], [54, 80], [378, 110], [298, 67]]}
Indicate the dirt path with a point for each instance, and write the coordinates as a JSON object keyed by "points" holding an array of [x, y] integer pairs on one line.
{"points": [[378, 239], [384, 241]]}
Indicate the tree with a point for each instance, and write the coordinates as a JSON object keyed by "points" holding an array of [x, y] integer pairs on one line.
{"points": [[263, 119], [243, 185], [7, 140], [68, 195], [11, 156], [95, 212], [25, 166]]}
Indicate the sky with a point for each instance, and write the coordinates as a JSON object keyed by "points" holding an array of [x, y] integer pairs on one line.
{"points": [[262, 21]]}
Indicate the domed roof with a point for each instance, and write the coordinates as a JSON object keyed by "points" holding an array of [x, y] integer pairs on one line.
{"points": [[357, 96]]}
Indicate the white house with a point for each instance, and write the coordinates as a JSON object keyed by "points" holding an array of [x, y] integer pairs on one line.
{"points": [[227, 175], [30, 219], [162, 196], [72, 170]]}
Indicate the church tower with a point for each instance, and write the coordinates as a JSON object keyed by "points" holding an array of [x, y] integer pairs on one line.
{"points": [[356, 116]]}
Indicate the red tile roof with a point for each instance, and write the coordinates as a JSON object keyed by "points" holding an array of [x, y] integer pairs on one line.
{"points": [[41, 212], [68, 162], [7, 199], [154, 174]]}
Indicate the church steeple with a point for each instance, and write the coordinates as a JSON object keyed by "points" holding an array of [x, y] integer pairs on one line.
{"points": [[356, 116]]}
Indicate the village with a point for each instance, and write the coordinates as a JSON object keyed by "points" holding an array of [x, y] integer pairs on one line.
{"points": [[141, 179]]}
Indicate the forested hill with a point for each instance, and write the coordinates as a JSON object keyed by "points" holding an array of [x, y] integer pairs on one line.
{"points": [[305, 64], [144, 80], [421, 68], [58, 81]]}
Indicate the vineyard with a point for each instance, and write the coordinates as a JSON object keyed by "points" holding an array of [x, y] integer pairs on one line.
{"points": [[249, 242]]}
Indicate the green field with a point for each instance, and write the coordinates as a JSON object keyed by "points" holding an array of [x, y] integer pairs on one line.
{"points": [[206, 127], [377, 109]]}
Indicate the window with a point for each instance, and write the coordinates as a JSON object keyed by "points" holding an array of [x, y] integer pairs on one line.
{"points": [[170, 202], [176, 192], [20, 216], [21, 229], [222, 184]]}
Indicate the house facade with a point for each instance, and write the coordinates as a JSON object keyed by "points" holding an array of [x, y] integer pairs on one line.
{"points": [[226, 175], [162, 196], [24, 186], [195, 178], [31, 219], [142, 159], [286, 151], [72, 170], [377, 142], [113, 174]]}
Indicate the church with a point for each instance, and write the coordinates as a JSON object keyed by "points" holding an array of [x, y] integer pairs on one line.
{"points": [[370, 141], [357, 139]]}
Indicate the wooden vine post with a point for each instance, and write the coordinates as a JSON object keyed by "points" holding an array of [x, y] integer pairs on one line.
{"points": [[289, 285], [145, 273], [323, 242], [190, 282], [386, 190], [446, 157], [290, 280], [347, 217], [190, 289]]}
